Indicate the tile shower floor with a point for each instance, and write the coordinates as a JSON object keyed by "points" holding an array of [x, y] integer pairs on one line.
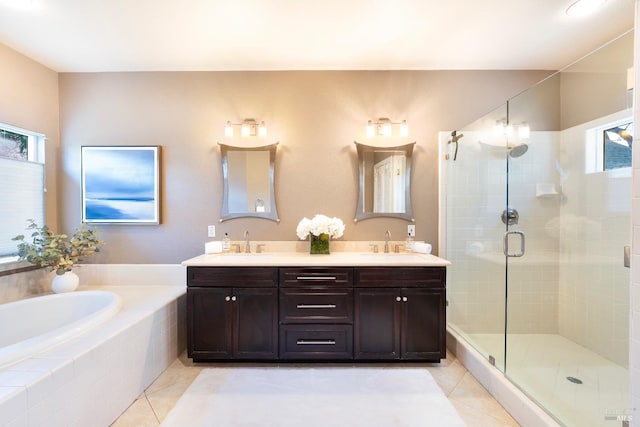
{"points": [[474, 404], [541, 363]]}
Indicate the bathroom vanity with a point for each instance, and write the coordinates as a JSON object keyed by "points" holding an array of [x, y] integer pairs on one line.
{"points": [[295, 306]]}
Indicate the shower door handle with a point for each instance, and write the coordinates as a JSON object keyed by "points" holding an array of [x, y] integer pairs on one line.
{"points": [[505, 244], [627, 256]]}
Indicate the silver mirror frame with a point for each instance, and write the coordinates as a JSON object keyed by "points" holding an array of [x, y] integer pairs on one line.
{"points": [[360, 212], [225, 215]]}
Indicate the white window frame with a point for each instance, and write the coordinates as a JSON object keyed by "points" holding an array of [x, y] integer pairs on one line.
{"points": [[594, 147]]}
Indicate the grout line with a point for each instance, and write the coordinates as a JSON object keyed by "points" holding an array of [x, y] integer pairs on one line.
{"points": [[151, 406], [459, 381]]}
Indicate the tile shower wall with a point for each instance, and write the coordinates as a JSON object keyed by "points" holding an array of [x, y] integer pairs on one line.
{"points": [[533, 279], [593, 285]]}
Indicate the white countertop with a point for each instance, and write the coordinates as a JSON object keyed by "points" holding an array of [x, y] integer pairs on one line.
{"points": [[303, 259]]}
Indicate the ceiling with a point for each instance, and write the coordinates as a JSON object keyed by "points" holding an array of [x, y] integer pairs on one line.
{"points": [[172, 35]]}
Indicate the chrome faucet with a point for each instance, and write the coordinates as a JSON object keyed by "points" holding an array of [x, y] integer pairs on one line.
{"points": [[247, 245], [387, 237]]}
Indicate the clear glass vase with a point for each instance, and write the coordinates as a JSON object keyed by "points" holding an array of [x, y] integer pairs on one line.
{"points": [[319, 245]]}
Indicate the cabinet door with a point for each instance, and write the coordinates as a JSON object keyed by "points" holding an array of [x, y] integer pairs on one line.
{"points": [[209, 316], [255, 323], [377, 323], [423, 324]]}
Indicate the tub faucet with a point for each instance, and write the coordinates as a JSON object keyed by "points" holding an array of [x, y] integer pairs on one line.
{"points": [[387, 237], [247, 244]]}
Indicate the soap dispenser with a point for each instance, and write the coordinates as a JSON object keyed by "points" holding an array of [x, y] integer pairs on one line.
{"points": [[409, 243], [226, 243]]}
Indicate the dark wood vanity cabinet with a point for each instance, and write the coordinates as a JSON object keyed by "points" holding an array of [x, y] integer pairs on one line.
{"points": [[400, 313], [316, 313], [232, 313]]}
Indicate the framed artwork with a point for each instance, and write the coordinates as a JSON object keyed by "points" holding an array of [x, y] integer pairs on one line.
{"points": [[121, 184]]}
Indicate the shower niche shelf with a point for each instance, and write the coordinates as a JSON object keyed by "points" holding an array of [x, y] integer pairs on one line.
{"points": [[546, 189]]}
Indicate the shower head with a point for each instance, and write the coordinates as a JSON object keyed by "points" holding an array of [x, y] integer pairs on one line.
{"points": [[518, 150]]}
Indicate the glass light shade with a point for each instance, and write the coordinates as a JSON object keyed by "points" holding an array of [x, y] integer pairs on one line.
{"points": [[498, 129], [370, 130], [404, 128], [524, 131], [262, 130], [508, 130], [245, 130], [386, 129], [228, 130]]}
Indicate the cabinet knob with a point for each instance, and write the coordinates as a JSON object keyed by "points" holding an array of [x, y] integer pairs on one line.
{"points": [[398, 299], [404, 299], [233, 298], [227, 298]]}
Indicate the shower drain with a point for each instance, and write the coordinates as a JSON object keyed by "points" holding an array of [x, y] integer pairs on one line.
{"points": [[574, 380]]}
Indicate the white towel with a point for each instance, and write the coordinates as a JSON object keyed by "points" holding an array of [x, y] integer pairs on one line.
{"points": [[422, 248], [214, 247]]}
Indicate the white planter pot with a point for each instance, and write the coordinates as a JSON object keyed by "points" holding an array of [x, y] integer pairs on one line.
{"points": [[68, 282]]}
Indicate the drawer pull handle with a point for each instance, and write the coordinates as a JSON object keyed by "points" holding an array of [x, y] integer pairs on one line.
{"points": [[316, 342], [316, 306], [316, 278]]}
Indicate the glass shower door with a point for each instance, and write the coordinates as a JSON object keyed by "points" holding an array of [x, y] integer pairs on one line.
{"points": [[474, 173]]}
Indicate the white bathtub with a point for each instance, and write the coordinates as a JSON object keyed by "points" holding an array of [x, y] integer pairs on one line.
{"points": [[33, 325], [113, 363]]}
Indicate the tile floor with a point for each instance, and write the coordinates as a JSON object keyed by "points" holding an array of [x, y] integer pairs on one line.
{"points": [[474, 404]]}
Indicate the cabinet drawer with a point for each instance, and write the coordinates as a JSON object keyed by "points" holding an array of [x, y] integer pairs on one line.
{"points": [[237, 277], [330, 305], [426, 277], [316, 342], [316, 276]]}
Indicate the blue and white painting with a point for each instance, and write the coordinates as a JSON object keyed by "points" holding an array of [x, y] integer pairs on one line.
{"points": [[120, 184]]}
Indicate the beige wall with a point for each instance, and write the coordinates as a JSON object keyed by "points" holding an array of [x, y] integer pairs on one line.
{"points": [[29, 100], [315, 116]]}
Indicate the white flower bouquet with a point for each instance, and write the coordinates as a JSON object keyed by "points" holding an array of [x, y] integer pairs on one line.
{"points": [[320, 224]]}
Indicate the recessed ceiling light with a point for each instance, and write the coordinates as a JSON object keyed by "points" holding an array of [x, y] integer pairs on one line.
{"points": [[584, 7]]}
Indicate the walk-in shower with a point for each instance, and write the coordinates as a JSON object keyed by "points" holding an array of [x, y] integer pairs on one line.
{"points": [[534, 224]]}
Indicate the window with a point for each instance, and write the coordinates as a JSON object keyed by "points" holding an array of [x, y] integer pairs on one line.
{"points": [[617, 142], [21, 184], [608, 143]]}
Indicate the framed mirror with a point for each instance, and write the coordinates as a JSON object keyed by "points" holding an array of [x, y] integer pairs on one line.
{"points": [[248, 176], [384, 182]]}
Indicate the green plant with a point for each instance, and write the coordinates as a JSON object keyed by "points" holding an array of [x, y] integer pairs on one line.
{"points": [[57, 252]]}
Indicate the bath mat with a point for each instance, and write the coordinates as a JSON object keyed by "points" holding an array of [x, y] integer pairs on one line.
{"points": [[313, 396]]}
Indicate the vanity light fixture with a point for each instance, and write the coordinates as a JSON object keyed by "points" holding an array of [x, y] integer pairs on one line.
{"points": [[584, 7], [502, 128], [248, 127], [384, 127]]}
